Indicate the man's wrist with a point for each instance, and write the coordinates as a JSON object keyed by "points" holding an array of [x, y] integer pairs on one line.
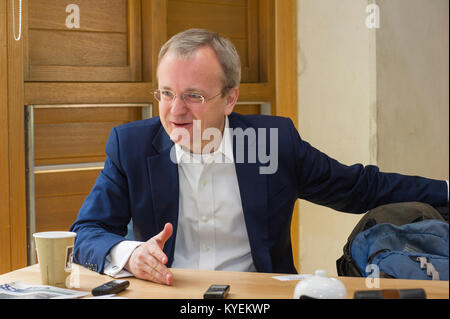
{"points": [[118, 258]]}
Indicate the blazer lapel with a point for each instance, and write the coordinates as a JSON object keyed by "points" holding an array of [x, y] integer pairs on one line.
{"points": [[253, 191], [163, 174]]}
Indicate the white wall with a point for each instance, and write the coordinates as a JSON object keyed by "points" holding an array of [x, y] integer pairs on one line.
{"points": [[370, 96], [412, 87], [335, 89]]}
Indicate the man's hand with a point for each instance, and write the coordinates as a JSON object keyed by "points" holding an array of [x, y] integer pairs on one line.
{"points": [[148, 260]]}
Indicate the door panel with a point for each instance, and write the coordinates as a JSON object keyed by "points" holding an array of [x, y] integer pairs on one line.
{"points": [[104, 47], [64, 135], [66, 153], [67, 48], [98, 15], [59, 196]]}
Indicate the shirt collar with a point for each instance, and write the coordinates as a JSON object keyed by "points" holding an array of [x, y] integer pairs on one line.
{"points": [[224, 154]]}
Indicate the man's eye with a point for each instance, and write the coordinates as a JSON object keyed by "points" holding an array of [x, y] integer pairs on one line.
{"points": [[194, 96], [166, 93]]}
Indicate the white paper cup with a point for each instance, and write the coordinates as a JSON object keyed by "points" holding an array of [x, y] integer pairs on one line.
{"points": [[55, 254]]}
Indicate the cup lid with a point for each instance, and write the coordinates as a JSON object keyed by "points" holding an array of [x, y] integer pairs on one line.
{"points": [[54, 234]]}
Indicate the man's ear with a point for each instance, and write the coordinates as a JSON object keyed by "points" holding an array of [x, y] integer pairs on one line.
{"points": [[232, 97]]}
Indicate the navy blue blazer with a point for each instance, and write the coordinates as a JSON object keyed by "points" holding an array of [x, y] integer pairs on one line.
{"points": [[140, 182]]}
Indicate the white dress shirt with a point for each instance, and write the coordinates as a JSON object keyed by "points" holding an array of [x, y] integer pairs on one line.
{"points": [[211, 232]]}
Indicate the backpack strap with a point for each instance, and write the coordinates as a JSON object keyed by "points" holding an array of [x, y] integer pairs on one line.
{"points": [[381, 273], [371, 257]]}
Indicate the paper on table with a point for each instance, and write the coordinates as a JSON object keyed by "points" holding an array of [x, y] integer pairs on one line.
{"points": [[292, 277], [20, 290]]}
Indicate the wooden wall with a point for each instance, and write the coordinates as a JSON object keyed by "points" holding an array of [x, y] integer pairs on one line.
{"points": [[12, 163], [110, 59], [5, 233]]}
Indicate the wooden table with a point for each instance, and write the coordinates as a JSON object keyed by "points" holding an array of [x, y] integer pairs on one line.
{"points": [[191, 284]]}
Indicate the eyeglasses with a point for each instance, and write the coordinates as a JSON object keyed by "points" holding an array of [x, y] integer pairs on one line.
{"points": [[167, 96]]}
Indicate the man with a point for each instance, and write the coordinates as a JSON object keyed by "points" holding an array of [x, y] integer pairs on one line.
{"points": [[199, 186]]}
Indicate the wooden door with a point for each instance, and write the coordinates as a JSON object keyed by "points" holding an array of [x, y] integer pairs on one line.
{"points": [[71, 75]]}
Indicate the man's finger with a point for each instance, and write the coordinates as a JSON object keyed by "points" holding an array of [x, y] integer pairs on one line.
{"points": [[164, 235], [158, 272], [155, 250], [142, 264]]}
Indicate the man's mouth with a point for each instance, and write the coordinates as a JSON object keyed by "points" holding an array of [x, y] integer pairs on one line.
{"points": [[181, 124]]}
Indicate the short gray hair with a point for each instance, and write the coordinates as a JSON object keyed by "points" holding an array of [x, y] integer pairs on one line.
{"points": [[187, 42]]}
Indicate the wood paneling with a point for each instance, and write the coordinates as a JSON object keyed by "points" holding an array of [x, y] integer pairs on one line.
{"points": [[286, 84], [286, 49], [16, 142], [106, 47], [69, 134], [266, 37], [59, 197], [70, 114], [236, 20], [87, 93], [248, 109], [159, 32], [71, 142], [76, 135], [98, 15], [5, 222], [68, 48]]}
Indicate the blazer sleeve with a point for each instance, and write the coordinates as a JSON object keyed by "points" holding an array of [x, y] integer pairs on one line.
{"points": [[104, 216], [357, 188]]}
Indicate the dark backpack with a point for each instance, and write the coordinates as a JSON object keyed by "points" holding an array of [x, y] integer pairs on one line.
{"points": [[380, 245]]}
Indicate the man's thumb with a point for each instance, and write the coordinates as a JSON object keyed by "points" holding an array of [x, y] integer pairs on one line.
{"points": [[164, 235]]}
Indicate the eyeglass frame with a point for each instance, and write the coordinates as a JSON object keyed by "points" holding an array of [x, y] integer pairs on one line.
{"points": [[204, 99]]}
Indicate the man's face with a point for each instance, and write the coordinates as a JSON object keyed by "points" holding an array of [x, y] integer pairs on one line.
{"points": [[201, 73]]}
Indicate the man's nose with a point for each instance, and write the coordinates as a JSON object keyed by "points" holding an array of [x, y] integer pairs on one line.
{"points": [[178, 106]]}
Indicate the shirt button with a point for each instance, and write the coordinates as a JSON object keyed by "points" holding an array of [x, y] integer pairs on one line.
{"points": [[203, 183], [205, 218], [206, 248]]}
